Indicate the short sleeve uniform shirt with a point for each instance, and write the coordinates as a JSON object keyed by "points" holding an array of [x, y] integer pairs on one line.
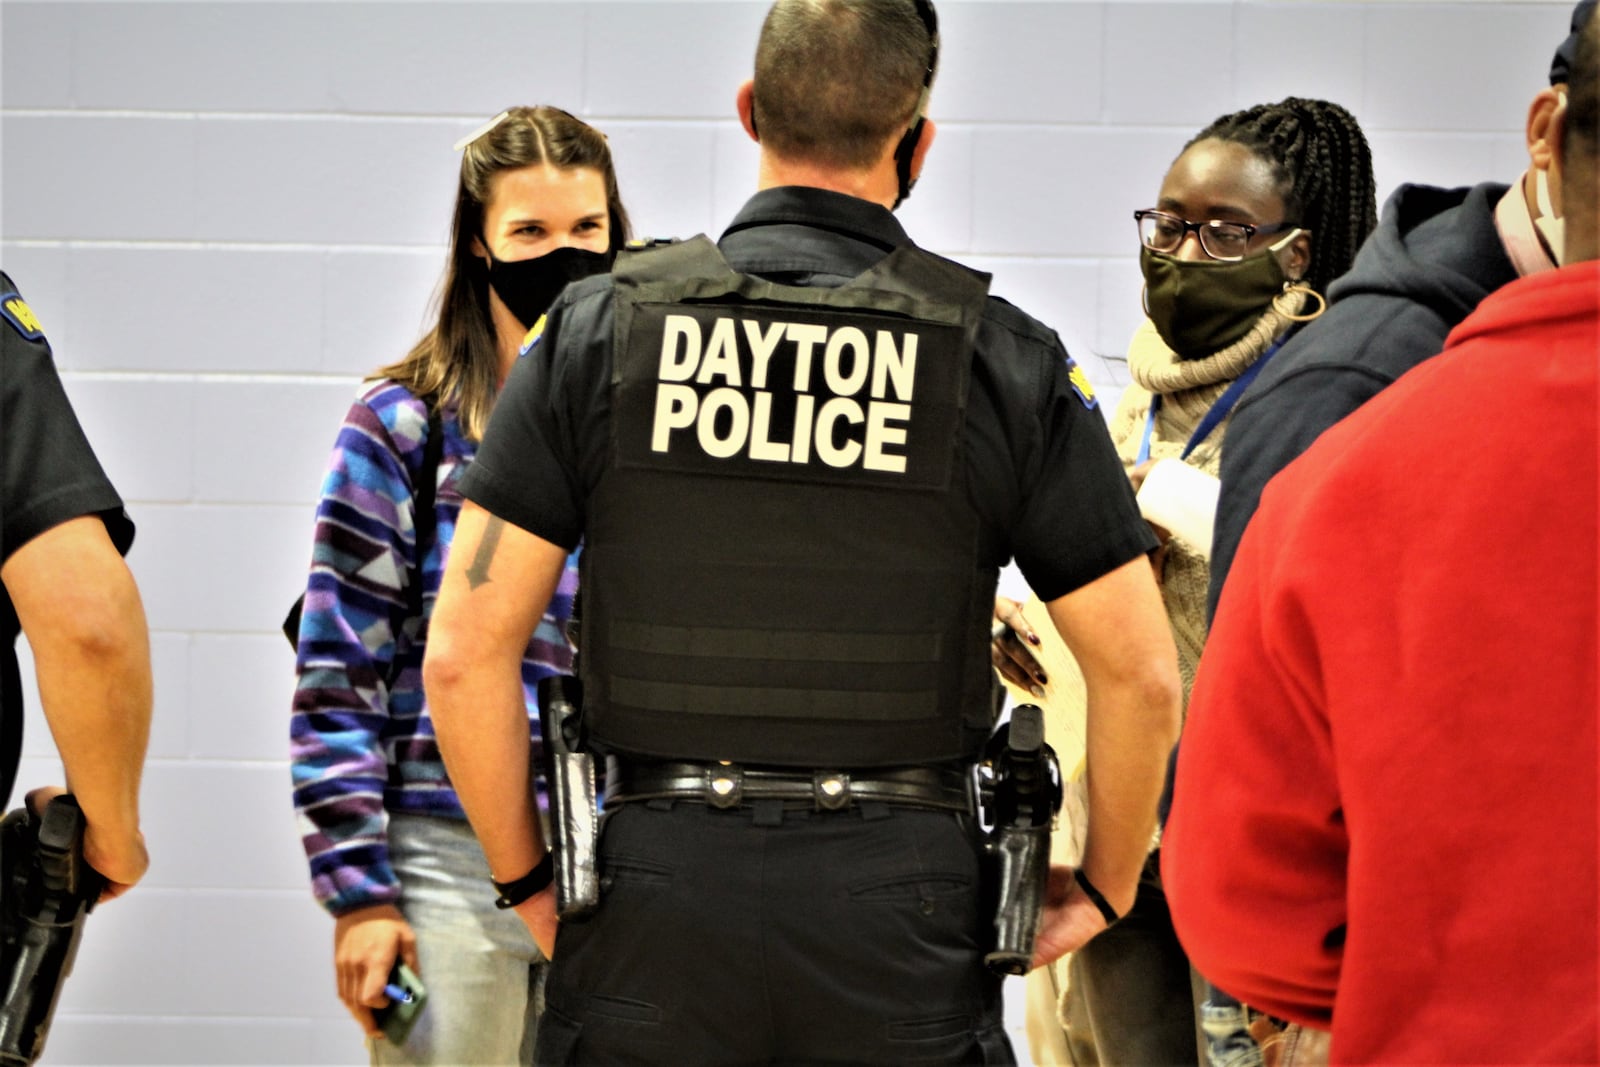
{"points": [[1042, 473], [49, 472]]}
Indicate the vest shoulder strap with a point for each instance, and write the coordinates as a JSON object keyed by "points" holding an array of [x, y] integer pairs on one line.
{"points": [[908, 281]]}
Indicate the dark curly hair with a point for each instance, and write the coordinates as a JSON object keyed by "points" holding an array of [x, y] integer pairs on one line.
{"points": [[1323, 167]]}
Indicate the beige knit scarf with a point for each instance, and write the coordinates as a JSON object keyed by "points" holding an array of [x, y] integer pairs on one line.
{"points": [[1191, 386]]}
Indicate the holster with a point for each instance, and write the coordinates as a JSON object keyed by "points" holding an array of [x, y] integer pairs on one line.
{"points": [[574, 818], [1020, 793], [46, 890]]}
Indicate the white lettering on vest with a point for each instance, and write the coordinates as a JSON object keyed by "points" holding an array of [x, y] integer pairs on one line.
{"points": [[840, 407], [761, 347], [761, 444], [675, 408], [858, 415], [898, 365], [722, 355], [839, 382], [880, 435], [734, 402], [673, 369]]}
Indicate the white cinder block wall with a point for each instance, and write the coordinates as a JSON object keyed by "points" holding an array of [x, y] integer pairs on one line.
{"points": [[225, 213]]}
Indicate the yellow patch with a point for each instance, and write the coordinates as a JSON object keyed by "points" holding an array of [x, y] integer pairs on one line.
{"points": [[18, 311], [1080, 383], [531, 338]]}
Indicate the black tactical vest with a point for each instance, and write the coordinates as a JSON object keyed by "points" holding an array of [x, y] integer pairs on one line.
{"points": [[780, 561]]}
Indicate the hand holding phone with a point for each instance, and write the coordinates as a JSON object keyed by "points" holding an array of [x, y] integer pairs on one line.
{"points": [[407, 996]]}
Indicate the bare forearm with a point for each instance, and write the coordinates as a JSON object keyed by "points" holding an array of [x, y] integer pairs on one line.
{"points": [[1117, 630], [1131, 729], [482, 724], [97, 697], [84, 621], [495, 587]]}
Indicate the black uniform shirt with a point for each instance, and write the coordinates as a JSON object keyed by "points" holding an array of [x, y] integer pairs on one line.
{"points": [[49, 472], [1043, 475]]}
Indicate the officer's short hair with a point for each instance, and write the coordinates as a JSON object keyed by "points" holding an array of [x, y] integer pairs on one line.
{"points": [[1580, 143], [836, 79], [1582, 134]]}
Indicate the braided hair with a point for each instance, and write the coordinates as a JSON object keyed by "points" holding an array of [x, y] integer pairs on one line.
{"points": [[1323, 167]]}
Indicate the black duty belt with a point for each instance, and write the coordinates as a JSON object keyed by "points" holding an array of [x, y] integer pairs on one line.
{"points": [[728, 785]]}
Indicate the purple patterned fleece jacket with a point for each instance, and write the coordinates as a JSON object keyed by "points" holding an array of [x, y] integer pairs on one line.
{"points": [[357, 750]]}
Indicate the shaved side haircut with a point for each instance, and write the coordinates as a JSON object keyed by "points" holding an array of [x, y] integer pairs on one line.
{"points": [[836, 79], [1580, 144]]}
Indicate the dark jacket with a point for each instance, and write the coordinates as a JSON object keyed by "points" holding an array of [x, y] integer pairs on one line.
{"points": [[1434, 256]]}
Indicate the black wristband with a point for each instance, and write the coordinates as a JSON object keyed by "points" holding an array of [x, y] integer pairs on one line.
{"points": [[514, 893], [1107, 912]]}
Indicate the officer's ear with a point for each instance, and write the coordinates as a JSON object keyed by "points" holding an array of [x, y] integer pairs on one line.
{"points": [[745, 101], [924, 142], [1546, 125]]}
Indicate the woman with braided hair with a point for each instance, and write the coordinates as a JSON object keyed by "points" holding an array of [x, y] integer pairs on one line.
{"points": [[1256, 216]]}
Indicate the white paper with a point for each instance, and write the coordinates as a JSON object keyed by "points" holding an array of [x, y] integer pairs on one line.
{"points": [[1181, 499]]}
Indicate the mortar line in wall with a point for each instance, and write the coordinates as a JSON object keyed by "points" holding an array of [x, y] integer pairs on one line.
{"points": [[673, 122], [102, 1017], [161, 244], [211, 376], [178, 115]]}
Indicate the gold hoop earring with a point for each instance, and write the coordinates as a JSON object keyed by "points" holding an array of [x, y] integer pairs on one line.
{"points": [[1144, 299], [1303, 289]]}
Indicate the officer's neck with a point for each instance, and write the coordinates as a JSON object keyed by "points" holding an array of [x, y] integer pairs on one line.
{"points": [[876, 184]]}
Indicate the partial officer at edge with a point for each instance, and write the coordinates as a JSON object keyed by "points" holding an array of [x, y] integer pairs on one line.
{"points": [[791, 541], [62, 536]]}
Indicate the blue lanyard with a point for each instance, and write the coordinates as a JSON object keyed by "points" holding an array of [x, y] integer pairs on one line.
{"points": [[1213, 417]]}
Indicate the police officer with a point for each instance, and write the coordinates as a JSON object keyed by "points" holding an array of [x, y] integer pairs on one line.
{"points": [[797, 460], [62, 536]]}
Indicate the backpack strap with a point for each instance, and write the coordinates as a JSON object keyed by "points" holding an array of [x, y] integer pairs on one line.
{"points": [[424, 524]]}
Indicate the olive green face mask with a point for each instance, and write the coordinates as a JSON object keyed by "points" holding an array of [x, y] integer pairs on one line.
{"points": [[1201, 306]]}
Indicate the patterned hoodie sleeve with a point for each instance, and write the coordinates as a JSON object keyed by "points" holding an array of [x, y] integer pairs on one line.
{"points": [[362, 552]]}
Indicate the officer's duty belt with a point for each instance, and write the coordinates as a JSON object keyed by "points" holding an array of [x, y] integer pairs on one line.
{"points": [[728, 785]]}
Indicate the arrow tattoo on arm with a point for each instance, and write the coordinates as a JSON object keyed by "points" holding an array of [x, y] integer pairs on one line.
{"points": [[478, 572]]}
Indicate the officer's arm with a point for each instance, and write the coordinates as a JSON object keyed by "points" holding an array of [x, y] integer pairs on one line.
{"points": [[1117, 630], [80, 609], [496, 585]]}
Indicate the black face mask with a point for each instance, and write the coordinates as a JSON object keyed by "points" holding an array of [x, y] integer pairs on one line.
{"points": [[529, 286]]}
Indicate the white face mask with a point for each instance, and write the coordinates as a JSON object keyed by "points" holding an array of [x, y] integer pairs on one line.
{"points": [[1551, 225]]}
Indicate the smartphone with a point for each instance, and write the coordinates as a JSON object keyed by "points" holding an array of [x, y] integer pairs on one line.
{"points": [[397, 1017]]}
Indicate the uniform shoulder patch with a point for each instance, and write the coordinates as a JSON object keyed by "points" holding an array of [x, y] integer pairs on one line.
{"points": [[532, 337], [1080, 383], [16, 311]]}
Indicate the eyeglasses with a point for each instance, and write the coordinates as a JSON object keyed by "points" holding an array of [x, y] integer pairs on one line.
{"points": [[1227, 241]]}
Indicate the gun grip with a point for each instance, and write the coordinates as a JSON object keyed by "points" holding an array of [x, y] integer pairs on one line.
{"points": [[1026, 735]]}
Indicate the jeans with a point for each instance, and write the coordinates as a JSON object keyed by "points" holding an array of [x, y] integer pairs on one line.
{"points": [[1227, 1025], [483, 973]]}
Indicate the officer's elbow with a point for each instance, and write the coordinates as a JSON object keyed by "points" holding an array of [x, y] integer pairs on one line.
{"points": [[1147, 694], [445, 668], [100, 624], [1160, 696]]}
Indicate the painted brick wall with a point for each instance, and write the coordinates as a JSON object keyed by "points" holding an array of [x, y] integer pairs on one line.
{"points": [[224, 213]]}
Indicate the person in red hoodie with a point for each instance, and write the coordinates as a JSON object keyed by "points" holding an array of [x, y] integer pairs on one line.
{"points": [[1395, 716]]}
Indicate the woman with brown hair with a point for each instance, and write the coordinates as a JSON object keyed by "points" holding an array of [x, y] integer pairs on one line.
{"points": [[391, 854]]}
